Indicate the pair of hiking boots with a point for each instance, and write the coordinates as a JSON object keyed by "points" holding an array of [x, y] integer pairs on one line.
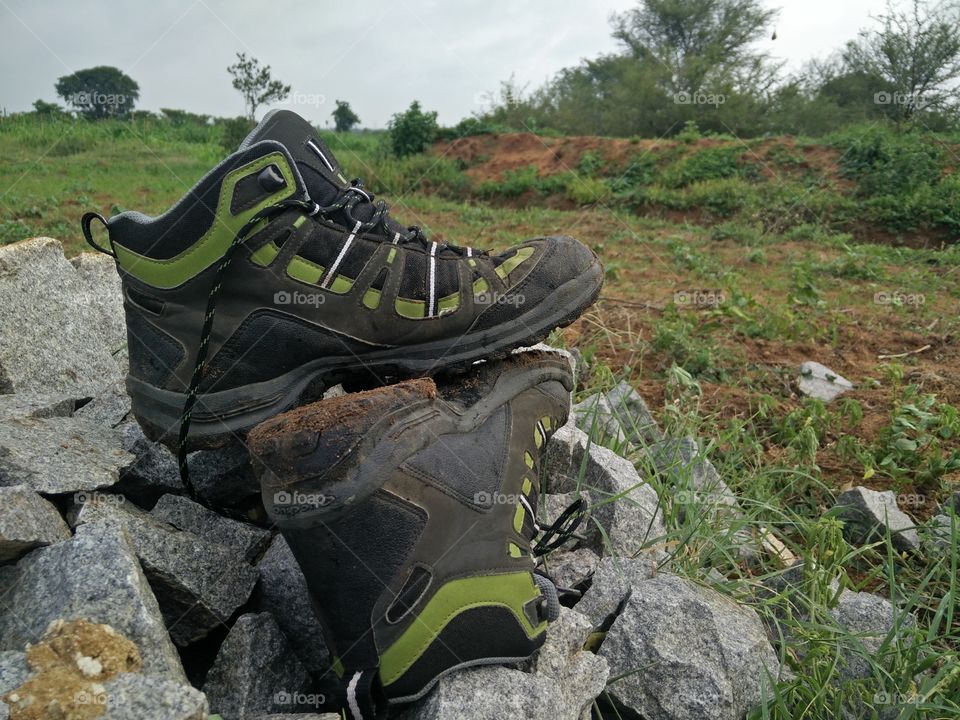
{"points": [[410, 507]]}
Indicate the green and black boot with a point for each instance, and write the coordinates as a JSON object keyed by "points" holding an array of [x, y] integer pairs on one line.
{"points": [[410, 509], [275, 276]]}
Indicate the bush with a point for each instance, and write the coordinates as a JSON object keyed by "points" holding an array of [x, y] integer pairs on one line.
{"points": [[640, 171], [722, 198], [712, 163], [412, 131], [514, 183], [234, 132], [884, 162], [469, 127], [586, 191], [901, 178]]}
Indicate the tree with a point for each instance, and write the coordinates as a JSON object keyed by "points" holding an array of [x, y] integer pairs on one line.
{"points": [[47, 109], [412, 130], [256, 84], [700, 43], [344, 118], [915, 54], [99, 92]]}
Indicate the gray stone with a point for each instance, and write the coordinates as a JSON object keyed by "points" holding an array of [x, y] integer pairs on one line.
{"points": [[867, 513], [223, 477], [131, 696], [580, 674], [793, 580], [492, 693], [597, 419], [820, 382], [700, 656], [35, 405], [198, 584], [692, 477], [94, 576], [788, 595], [27, 521], [634, 416], [334, 391], [571, 568], [109, 407], [59, 454], [955, 502], [61, 346], [185, 514], [611, 587], [868, 619], [624, 504], [282, 591], [13, 670], [255, 671], [938, 533], [694, 485], [153, 471], [103, 293]]}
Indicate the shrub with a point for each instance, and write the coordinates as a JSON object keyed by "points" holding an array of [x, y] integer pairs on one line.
{"points": [[412, 131], [468, 127], [723, 197], [514, 183], [586, 191], [712, 163], [884, 162], [234, 131]]}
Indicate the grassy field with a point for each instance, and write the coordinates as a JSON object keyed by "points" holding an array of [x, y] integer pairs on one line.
{"points": [[728, 264]]}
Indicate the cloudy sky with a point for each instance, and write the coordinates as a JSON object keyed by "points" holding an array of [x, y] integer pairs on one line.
{"points": [[377, 54]]}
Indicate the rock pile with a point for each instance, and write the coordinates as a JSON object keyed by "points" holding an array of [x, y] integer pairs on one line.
{"points": [[96, 531]]}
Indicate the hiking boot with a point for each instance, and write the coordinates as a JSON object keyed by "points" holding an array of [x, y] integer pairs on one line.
{"points": [[410, 509], [275, 277]]}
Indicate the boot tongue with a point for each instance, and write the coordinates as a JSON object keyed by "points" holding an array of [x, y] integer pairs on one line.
{"points": [[321, 172]]}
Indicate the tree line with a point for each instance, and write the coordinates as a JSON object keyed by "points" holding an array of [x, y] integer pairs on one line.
{"points": [[697, 61], [679, 63]]}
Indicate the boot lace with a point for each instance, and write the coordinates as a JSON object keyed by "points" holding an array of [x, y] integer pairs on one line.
{"points": [[357, 194]]}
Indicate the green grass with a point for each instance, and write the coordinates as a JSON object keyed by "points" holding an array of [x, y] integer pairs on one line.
{"points": [[914, 672]]}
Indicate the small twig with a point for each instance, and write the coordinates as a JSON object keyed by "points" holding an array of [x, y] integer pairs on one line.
{"points": [[631, 303], [904, 354]]}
